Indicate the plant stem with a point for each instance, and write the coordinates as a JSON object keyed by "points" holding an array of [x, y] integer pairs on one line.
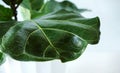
{"points": [[14, 9], [15, 14]]}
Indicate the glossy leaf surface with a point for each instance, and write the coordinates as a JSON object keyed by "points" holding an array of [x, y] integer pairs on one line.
{"points": [[58, 35], [51, 30], [53, 5], [87, 28], [4, 27]]}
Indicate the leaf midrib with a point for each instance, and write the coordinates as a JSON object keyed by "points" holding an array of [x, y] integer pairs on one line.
{"points": [[67, 32]]}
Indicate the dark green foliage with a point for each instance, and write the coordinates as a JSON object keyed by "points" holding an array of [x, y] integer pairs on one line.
{"points": [[9, 2], [4, 27], [5, 14], [36, 4], [56, 30], [52, 40]]}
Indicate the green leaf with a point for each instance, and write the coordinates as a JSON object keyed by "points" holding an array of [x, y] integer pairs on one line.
{"points": [[26, 4], [36, 4], [49, 43], [69, 6], [9, 2], [87, 28], [4, 27], [2, 58], [48, 7], [5, 14], [60, 35], [25, 10], [51, 6], [29, 7], [18, 1], [32, 4]]}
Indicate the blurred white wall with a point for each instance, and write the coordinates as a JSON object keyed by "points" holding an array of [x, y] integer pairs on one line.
{"points": [[101, 58]]}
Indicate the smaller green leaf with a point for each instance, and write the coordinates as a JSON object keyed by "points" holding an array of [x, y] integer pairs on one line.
{"points": [[18, 1], [51, 6], [9, 2], [25, 10], [69, 6], [29, 8], [36, 4], [2, 58], [26, 4], [5, 13]]}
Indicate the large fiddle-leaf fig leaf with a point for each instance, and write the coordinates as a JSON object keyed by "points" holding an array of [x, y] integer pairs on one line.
{"points": [[60, 35]]}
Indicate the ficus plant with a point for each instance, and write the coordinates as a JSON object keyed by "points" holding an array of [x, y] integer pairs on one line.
{"points": [[49, 30]]}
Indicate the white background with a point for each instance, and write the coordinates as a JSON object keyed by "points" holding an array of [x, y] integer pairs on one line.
{"points": [[101, 58]]}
